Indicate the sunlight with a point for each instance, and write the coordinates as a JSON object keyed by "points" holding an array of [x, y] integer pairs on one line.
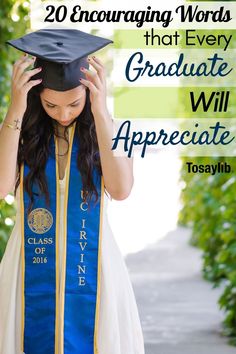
{"points": [[151, 210]]}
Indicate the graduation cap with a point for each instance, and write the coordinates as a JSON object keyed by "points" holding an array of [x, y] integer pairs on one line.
{"points": [[61, 53]]}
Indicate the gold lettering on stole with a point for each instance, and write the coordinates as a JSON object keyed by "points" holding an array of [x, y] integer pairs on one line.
{"points": [[83, 223], [81, 281], [83, 235], [83, 244], [39, 250], [83, 204], [81, 269]]}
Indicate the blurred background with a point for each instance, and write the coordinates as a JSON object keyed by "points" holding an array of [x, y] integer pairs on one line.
{"points": [[176, 230]]}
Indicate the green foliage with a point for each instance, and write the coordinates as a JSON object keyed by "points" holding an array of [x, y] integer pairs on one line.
{"points": [[7, 215], [228, 301], [14, 21], [209, 208]]}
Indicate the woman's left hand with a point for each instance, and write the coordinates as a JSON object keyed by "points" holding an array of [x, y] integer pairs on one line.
{"points": [[96, 83], [117, 172]]}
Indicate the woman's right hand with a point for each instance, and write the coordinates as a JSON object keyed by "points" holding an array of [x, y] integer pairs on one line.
{"points": [[21, 83]]}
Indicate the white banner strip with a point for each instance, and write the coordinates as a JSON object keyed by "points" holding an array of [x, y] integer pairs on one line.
{"points": [[86, 15]]}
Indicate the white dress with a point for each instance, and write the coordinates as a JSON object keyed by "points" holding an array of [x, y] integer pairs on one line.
{"points": [[119, 330]]}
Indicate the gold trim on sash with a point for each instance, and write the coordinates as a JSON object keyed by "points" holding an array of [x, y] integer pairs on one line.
{"points": [[99, 271], [72, 130], [57, 252], [22, 256]]}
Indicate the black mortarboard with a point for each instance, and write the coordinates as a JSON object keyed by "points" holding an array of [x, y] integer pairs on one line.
{"points": [[61, 53]]}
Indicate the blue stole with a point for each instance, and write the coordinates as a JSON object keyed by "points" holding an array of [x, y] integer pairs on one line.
{"points": [[60, 313]]}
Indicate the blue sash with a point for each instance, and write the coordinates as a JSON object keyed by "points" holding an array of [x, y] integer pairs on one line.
{"points": [[60, 312]]}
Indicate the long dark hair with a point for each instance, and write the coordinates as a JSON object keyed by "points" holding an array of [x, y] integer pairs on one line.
{"points": [[37, 130]]}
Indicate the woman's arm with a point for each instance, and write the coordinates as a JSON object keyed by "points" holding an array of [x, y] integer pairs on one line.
{"points": [[117, 171], [9, 141], [9, 137]]}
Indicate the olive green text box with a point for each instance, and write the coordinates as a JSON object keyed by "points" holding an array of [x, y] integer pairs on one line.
{"points": [[171, 102]]}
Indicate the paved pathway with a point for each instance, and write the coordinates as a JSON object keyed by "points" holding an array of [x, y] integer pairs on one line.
{"points": [[178, 308]]}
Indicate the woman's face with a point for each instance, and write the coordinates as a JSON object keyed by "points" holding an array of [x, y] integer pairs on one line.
{"points": [[64, 106]]}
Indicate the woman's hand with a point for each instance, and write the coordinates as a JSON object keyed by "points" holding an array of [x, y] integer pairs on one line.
{"points": [[117, 171], [96, 83], [21, 83]]}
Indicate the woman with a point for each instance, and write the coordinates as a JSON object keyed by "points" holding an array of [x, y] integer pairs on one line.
{"points": [[64, 285]]}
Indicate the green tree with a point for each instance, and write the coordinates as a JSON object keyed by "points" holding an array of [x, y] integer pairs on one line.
{"points": [[209, 208], [14, 22]]}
